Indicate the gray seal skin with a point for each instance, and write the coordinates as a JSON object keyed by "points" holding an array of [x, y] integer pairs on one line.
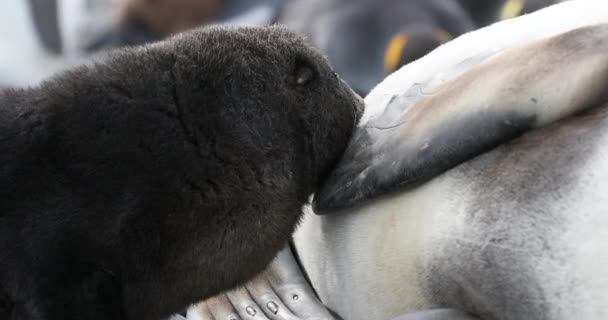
{"points": [[518, 232], [164, 174], [484, 101], [282, 292]]}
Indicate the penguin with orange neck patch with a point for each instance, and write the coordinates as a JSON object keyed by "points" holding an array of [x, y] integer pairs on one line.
{"points": [[415, 41], [412, 44]]}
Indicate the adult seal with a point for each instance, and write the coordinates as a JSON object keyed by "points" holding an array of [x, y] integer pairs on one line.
{"points": [[517, 231]]}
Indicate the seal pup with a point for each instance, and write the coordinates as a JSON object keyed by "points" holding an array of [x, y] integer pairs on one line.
{"points": [[134, 187]]}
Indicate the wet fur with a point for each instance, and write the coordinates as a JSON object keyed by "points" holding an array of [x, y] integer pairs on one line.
{"points": [[134, 187]]}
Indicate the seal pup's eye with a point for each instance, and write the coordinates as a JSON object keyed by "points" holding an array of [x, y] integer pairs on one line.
{"points": [[304, 75]]}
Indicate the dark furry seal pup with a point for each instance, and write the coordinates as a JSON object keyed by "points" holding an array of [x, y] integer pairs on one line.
{"points": [[132, 188]]}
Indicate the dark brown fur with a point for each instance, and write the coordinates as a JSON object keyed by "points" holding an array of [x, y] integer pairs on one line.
{"points": [[137, 186]]}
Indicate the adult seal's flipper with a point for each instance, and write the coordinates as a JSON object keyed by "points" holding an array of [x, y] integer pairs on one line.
{"points": [[479, 104], [281, 292]]}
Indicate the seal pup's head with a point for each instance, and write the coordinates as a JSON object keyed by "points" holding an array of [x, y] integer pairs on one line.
{"points": [[274, 86]]}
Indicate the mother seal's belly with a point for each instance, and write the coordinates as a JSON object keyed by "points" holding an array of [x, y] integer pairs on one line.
{"points": [[517, 233]]}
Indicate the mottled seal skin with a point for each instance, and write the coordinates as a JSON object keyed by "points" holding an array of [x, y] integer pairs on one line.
{"points": [[467, 110], [518, 232], [165, 174]]}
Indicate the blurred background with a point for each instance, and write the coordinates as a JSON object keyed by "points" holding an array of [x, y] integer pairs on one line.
{"points": [[365, 40]]}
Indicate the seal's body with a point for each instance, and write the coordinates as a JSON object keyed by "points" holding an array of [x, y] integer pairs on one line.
{"points": [[518, 233], [134, 187], [519, 230]]}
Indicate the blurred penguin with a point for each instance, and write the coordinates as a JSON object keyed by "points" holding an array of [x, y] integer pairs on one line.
{"points": [[411, 44], [484, 12], [366, 39], [515, 8], [142, 21], [419, 41], [487, 12]]}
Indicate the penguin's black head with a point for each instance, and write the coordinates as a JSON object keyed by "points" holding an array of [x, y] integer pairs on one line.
{"points": [[284, 100]]}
